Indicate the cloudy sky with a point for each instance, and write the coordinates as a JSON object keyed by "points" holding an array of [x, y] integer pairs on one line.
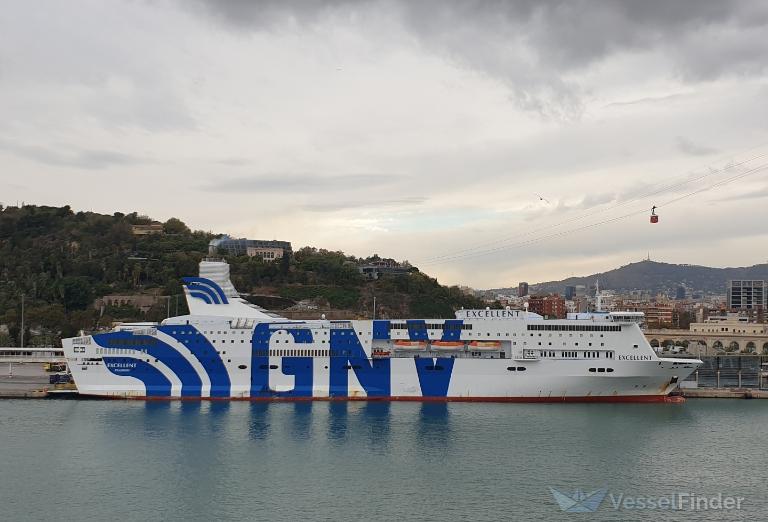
{"points": [[418, 130]]}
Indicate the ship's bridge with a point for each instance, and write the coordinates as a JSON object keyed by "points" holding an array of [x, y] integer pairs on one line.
{"points": [[616, 317]]}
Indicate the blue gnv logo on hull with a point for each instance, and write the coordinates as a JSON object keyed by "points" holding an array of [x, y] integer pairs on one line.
{"points": [[347, 358]]}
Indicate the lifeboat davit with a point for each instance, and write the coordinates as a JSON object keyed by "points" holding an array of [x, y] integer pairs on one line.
{"points": [[410, 345], [485, 345], [447, 345]]}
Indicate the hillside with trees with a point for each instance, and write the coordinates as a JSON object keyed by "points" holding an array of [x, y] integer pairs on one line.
{"points": [[657, 277], [653, 277], [61, 261]]}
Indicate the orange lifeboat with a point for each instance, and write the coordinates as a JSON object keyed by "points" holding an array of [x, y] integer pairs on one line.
{"points": [[410, 345], [447, 345], [485, 345]]}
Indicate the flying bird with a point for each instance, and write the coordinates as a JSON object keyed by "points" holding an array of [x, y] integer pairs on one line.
{"points": [[542, 198]]}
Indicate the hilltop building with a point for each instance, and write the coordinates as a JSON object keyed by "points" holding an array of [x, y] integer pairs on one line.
{"points": [[265, 249], [522, 289], [145, 230], [376, 269]]}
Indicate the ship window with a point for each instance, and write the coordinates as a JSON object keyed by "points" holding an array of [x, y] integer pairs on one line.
{"points": [[593, 369], [609, 370], [601, 370], [521, 368], [511, 368], [242, 366]]}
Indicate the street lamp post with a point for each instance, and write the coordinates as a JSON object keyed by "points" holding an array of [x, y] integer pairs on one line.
{"points": [[21, 343]]}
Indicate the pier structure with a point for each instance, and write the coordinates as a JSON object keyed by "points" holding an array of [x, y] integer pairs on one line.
{"points": [[709, 343], [30, 354]]}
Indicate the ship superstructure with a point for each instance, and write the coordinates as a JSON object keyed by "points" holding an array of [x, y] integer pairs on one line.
{"points": [[227, 348]]}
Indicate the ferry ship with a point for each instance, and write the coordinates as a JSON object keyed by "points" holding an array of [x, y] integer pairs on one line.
{"points": [[227, 348]]}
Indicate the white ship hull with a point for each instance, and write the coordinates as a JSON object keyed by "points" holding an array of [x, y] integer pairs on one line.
{"points": [[228, 350], [479, 380]]}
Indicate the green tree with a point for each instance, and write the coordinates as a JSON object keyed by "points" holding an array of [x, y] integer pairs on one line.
{"points": [[175, 226], [76, 292]]}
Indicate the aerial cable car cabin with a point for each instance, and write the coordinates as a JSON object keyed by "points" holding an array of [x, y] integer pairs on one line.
{"points": [[654, 217]]}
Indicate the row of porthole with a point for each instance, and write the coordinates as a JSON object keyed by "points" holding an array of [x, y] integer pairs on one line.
{"points": [[601, 370], [346, 367], [516, 368]]}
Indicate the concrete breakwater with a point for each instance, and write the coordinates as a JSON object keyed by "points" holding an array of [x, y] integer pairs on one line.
{"points": [[723, 393]]}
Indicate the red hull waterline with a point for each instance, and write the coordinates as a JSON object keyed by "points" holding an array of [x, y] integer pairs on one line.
{"points": [[583, 399]]}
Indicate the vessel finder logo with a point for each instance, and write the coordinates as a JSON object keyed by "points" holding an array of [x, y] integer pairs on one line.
{"points": [[579, 501]]}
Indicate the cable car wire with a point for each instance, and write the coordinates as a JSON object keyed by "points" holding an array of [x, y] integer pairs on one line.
{"points": [[672, 201], [587, 213]]}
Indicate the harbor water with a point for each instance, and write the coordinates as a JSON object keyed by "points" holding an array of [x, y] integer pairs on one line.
{"points": [[131, 460]]}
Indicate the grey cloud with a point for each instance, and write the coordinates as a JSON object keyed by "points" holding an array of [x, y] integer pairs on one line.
{"points": [[233, 162], [649, 100], [333, 206], [533, 46], [303, 183], [84, 159], [98, 60], [755, 194], [264, 14], [687, 146], [595, 199], [587, 202]]}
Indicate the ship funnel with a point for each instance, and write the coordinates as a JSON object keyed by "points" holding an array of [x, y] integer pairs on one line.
{"points": [[218, 272], [213, 294]]}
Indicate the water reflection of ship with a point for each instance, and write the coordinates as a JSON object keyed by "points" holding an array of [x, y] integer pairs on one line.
{"points": [[338, 420], [259, 425], [301, 422], [433, 432], [376, 417]]}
